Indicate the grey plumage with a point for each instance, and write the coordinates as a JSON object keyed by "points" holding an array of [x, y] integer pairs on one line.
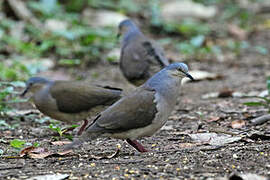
{"points": [[140, 57], [142, 112], [70, 101]]}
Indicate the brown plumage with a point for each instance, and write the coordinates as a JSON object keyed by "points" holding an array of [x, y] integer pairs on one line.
{"points": [[140, 57], [70, 101]]}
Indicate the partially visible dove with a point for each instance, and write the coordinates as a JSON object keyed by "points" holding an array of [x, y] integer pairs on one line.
{"points": [[140, 57], [70, 101]]}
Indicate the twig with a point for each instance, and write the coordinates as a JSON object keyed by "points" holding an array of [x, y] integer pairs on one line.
{"points": [[260, 120], [219, 130]]}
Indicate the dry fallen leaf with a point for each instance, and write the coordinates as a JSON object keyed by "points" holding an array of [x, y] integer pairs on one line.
{"points": [[39, 152], [50, 176], [61, 143], [26, 150], [187, 145], [213, 118], [214, 139], [115, 154], [190, 145], [237, 32], [238, 124], [65, 152], [40, 155], [202, 75], [35, 152]]}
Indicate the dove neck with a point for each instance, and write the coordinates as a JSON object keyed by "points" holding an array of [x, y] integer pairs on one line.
{"points": [[131, 35], [165, 84]]}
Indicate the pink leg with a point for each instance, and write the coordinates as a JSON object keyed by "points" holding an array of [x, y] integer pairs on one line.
{"points": [[82, 127], [136, 145]]}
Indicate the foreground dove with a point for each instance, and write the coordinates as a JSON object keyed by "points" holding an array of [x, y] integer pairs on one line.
{"points": [[141, 113], [70, 101], [140, 57]]}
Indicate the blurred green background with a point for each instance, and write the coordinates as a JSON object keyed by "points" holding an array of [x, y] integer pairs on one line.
{"points": [[37, 35]]}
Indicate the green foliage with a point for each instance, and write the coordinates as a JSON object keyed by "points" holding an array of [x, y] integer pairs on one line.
{"points": [[13, 71], [56, 128], [46, 8], [124, 6], [61, 131], [190, 28], [36, 144], [196, 46], [4, 125], [8, 95], [262, 101], [18, 144], [69, 62]]}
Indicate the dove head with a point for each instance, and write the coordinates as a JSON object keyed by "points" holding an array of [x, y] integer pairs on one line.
{"points": [[34, 84], [179, 70], [127, 26], [169, 78]]}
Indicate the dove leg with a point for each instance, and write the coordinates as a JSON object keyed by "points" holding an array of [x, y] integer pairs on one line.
{"points": [[136, 145], [85, 122]]}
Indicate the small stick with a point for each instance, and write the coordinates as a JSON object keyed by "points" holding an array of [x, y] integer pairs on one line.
{"points": [[260, 120]]}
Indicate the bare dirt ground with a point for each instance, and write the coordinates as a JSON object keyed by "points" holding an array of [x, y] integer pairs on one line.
{"points": [[173, 154]]}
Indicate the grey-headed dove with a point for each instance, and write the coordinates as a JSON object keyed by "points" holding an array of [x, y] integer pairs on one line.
{"points": [[142, 112], [140, 57], [70, 101]]}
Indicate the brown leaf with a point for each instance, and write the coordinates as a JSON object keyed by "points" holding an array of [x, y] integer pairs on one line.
{"points": [[65, 152], [115, 154], [187, 145], [40, 153], [214, 138], [35, 152], [26, 150], [238, 124], [237, 32], [32, 150], [213, 118], [61, 143]]}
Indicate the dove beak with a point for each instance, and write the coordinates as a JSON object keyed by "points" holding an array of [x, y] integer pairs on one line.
{"points": [[25, 91], [189, 76]]}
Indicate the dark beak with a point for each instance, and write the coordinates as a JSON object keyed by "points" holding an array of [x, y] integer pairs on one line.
{"points": [[25, 91], [189, 76]]}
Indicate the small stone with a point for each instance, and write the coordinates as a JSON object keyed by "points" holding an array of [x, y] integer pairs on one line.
{"points": [[93, 164]]}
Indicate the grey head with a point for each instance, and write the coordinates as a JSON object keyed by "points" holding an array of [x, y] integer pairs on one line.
{"points": [[168, 77], [127, 28], [34, 84]]}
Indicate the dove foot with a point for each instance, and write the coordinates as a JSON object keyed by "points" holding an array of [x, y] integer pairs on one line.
{"points": [[136, 145], [85, 122]]}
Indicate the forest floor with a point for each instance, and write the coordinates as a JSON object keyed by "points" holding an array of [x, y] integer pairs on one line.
{"points": [[173, 153]]}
